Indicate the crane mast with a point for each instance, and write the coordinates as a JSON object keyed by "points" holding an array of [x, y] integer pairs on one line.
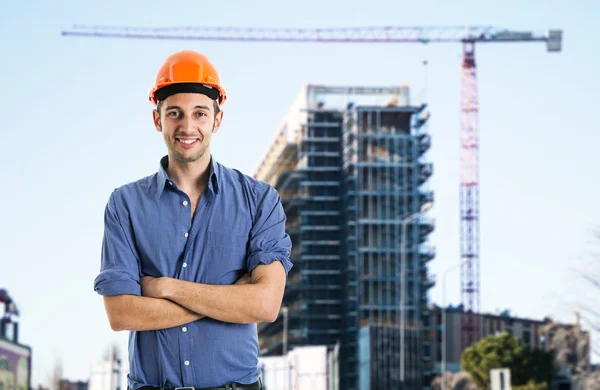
{"points": [[469, 197], [469, 105]]}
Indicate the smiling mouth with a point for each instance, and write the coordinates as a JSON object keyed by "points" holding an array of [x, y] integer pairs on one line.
{"points": [[186, 142]]}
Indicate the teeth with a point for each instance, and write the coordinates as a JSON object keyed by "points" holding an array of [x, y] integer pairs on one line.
{"points": [[187, 141]]}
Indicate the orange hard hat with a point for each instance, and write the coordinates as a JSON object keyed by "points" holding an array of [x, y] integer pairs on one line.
{"points": [[187, 71]]}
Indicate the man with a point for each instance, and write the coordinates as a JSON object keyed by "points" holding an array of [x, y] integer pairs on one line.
{"points": [[196, 254]]}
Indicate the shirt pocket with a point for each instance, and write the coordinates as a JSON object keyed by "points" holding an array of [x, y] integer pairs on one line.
{"points": [[225, 259]]}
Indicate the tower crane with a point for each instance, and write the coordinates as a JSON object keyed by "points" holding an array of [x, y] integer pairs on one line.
{"points": [[469, 104]]}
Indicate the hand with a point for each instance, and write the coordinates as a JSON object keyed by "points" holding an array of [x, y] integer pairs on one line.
{"points": [[246, 279], [152, 287]]}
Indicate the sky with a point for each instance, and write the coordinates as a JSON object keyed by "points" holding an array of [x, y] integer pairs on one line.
{"points": [[76, 123]]}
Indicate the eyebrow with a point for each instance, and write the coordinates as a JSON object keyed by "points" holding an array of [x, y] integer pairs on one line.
{"points": [[179, 108]]}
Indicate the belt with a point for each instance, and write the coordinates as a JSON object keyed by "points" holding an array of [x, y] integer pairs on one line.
{"points": [[230, 386]]}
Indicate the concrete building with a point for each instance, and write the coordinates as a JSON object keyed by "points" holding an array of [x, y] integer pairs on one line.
{"points": [[349, 165], [105, 375], [535, 333], [301, 368], [110, 373]]}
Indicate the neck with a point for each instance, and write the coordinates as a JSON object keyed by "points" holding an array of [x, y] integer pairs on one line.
{"points": [[191, 177]]}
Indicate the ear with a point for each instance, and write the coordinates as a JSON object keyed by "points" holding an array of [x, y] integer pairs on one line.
{"points": [[156, 120], [218, 120]]}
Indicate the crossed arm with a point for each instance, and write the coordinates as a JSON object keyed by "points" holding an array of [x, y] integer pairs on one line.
{"points": [[168, 302]]}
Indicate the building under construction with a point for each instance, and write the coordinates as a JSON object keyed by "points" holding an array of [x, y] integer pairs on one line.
{"points": [[349, 165]]}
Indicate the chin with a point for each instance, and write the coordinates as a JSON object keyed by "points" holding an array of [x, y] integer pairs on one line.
{"points": [[188, 156]]}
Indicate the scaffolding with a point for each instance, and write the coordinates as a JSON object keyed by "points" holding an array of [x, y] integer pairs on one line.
{"points": [[384, 175], [348, 175]]}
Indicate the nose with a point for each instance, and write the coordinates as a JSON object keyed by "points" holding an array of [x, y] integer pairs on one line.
{"points": [[187, 124]]}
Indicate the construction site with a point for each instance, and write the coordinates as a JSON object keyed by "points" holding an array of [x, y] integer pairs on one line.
{"points": [[351, 179], [351, 164]]}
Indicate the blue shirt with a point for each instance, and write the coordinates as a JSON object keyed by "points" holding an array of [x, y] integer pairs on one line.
{"points": [[148, 230]]}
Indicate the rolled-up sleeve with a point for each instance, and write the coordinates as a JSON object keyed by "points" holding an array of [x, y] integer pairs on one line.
{"points": [[119, 271], [269, 241]]}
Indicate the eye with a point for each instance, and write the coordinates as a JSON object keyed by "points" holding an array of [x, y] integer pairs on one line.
{"points": [[201, 113], [173, 114]]}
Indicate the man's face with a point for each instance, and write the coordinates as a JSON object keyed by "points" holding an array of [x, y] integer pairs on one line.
{"points": [[187, 122]]}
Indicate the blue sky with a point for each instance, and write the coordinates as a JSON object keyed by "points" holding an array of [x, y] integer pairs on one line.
{"points": [[77, 124]]}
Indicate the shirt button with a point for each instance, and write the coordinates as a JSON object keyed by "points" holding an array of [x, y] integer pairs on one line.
{"points": [[187, 362], [185, 203], [186, 235], [184, 265], [184, 329]]}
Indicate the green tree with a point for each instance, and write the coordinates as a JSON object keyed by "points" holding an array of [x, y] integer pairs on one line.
{"points": [[526, 365]]}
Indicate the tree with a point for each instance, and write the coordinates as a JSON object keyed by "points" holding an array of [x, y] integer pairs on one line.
{"points": [[588, 296], [505, 351], [57, 374], [569, 344]]}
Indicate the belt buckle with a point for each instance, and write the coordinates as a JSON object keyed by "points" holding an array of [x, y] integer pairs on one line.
{"points": [[185, 388]]}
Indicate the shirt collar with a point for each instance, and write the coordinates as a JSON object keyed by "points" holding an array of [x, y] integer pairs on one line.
{"points": [[163, 179]]}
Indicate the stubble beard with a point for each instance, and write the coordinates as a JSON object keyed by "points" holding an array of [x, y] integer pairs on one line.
{"points": [[189, 158], [172, 146]]}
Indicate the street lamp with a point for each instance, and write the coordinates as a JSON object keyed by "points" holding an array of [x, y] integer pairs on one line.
{"points": [[284, 310], [452, 268], [424, 208]]}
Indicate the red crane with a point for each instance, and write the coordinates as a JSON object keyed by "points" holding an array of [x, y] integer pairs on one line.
{"points": [[469, 123]]}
